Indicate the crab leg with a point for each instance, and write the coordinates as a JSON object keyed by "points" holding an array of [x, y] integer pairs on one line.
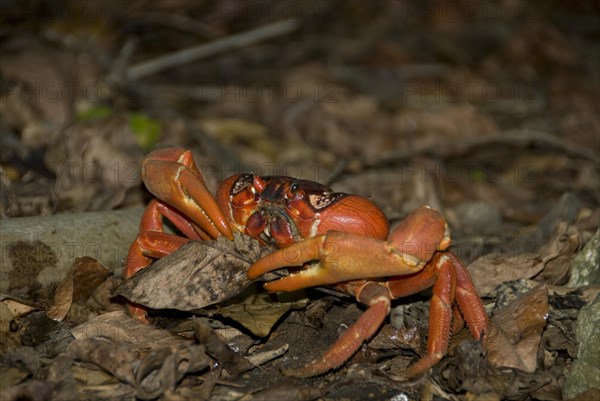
{"points": [[440, 314], [363, 329], [450, 282], [470, 304], [152, 241]]}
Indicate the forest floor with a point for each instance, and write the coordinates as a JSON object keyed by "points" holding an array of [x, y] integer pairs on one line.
{"points": [[486, 111]]}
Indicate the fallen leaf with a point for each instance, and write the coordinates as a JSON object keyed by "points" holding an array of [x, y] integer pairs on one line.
{"points": [[197, 275], [550, 262], [151, 359], [562, 246], [115, 358], [515, 331], [62, 300], [163, 368], [120, 327], [259, 318], [85, 276], [15, 306], [34, 390]]}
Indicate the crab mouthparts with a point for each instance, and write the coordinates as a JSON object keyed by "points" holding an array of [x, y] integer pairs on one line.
{"points": [[273, 225]]}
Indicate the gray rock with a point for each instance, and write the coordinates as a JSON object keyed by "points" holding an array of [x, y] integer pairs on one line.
{"points": [[585, 268], [585, 372]]}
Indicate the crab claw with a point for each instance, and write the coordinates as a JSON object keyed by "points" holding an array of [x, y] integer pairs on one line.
{"points": [[171, 175], [338, 257]]}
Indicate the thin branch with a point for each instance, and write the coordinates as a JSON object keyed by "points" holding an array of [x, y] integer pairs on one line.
{"points": [[195, 53]]}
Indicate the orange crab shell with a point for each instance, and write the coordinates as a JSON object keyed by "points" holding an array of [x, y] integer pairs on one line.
{"points": [[284, 210]]}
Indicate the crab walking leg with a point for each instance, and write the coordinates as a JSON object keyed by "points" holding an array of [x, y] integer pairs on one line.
{"points": [[440, 314], [172, 176], [149, 244], [152, 242], [470, 304], [448, 276], [363, 329], [471, 307]]}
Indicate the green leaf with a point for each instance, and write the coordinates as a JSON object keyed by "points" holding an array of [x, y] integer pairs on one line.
{"points": [[94, 113], [145, 129], [478, 175]]}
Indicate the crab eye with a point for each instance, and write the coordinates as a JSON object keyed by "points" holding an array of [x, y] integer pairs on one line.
{"points": [[258, 183], [292, 192]]}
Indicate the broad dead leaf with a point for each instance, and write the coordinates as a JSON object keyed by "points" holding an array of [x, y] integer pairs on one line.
{"points": [[197, 275], [114, 357], [549, 264], [119, 327], [16, 306], [85, 276], [259, 318], [515, 331]]}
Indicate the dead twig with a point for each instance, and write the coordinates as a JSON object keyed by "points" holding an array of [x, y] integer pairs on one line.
{"points": [[196, 53], [178, 22]]}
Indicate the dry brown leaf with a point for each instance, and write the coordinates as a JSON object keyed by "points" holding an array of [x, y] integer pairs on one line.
{"points": [[120, 327], [115, 357], [163, 368], [151, 359], [197, 275], [550, 262], [15, 306], [563, 245], [259, 318], [63, 299], [85, 276], [515, 331], [96, 164]]}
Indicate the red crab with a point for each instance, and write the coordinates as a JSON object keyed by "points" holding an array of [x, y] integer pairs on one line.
{"points": [[344, 236]]}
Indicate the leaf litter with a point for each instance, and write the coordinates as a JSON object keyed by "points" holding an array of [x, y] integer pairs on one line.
{"points": [[517, 176]]}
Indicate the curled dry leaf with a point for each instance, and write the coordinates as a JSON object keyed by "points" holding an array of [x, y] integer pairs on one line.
{"points": [[11, 308], [151, 359], [118, 358], [33, 390], [471, 371], [163, 368], [85, 276], [515, 331], [119, 327], [549, 264], [197, 275], [563, 246]]}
